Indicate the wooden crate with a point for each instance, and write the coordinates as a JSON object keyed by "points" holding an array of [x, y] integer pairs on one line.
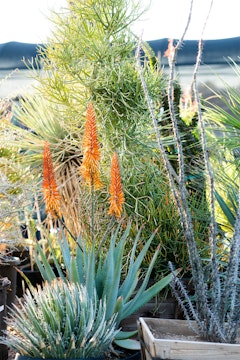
{"points": [[173, 340]]}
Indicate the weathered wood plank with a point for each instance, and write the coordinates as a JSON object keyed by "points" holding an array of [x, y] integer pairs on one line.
{"points": [[174, 340]]}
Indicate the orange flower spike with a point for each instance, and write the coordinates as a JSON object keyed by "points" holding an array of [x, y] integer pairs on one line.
{"points": [[49, 185], [91, 155], [116, 199]]}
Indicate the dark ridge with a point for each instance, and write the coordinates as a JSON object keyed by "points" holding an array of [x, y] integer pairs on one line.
{"points": [[214, 52], [18, 55]]}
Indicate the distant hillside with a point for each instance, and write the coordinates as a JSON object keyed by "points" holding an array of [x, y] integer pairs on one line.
{"points": [[13, 53], [215, 63], [214, 52]]}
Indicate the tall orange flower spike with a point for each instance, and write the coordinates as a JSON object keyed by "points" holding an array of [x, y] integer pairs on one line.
{"points": [[49, 185], [91, 153], [116, 199]]}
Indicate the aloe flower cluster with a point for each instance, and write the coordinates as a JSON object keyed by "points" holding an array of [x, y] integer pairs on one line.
{"points": [[89, 170]]}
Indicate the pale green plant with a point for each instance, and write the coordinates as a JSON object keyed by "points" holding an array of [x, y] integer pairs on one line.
{"points": [[60, 320]]}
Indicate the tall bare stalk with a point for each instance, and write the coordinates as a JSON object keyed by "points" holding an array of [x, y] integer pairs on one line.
{"points": [[215, 306]]}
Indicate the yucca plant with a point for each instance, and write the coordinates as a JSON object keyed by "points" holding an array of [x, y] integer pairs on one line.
{"points": [[60, 320]]}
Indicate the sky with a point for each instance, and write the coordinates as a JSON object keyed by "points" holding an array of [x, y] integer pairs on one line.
{"points": [[27, 20]]}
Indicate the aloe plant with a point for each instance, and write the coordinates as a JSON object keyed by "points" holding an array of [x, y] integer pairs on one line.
{"points": [[105, 272], [61, 320]]}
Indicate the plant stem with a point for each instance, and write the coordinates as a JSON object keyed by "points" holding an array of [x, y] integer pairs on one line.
{"points": [[109, 227], [92, 214], [70, 233]]}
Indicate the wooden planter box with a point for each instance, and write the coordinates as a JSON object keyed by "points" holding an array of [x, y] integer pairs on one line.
{"points": [[174, 340]]}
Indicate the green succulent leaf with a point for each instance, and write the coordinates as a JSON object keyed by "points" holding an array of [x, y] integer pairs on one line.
{"points": [[128, 344], [94, 270]]}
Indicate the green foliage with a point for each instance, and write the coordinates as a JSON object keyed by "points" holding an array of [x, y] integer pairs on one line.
{"points": [[103, 271], [226, 193], [149, 201], [91, 56], [222, 114], [230, 217], [60, 320], [223, 129]]}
